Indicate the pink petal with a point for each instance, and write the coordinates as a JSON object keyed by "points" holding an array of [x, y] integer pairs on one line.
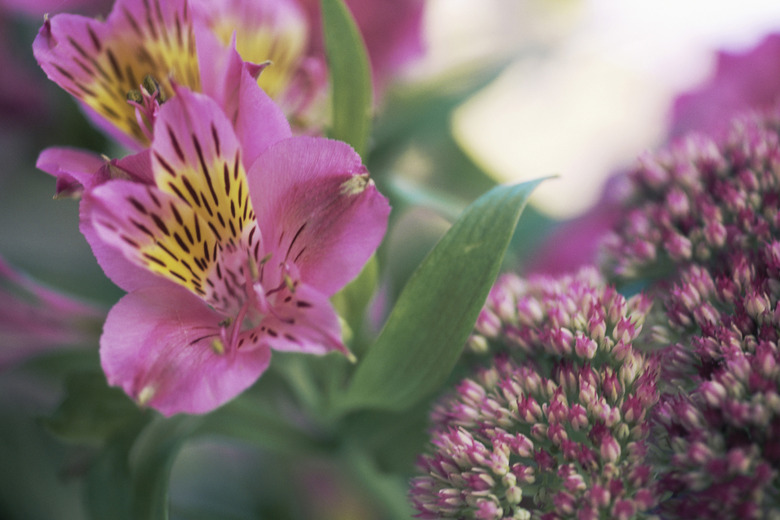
{"points": [[136, 167], [74, 169], [274, 33], [316, 205], [157, 346], [307, 323], [77, 170], [198, 159], [391, 29], [100, 62], [255, 106], [123, 272], [229, 81], [162, 234], [741, 81]]}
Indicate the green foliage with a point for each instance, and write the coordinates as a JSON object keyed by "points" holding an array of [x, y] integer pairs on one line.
{"points": [[108, 483], [353, 300], [435, 313], [153, 455], [92, 411], [350, 72]]}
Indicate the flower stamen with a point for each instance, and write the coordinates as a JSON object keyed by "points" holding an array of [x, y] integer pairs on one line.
{"points": [[147, 100]]}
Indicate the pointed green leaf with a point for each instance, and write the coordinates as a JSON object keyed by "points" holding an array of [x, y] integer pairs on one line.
{"points": [[153, 456], [437, 309], [352, 301], [350, 75], [108, 484]]}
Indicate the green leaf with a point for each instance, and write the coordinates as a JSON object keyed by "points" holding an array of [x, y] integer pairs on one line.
{"points": [[389, 492], [153, 456], [436, 312], [91, 411], [256, 423], [350, 72], [352, 301], [108, 484]]}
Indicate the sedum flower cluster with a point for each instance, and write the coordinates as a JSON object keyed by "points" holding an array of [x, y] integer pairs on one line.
{"points": [[557, 426], [709, 215], [581, 417], [700, 200]]}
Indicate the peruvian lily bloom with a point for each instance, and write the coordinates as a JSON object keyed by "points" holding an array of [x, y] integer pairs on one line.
{"points": [[741, 81], [232, 248], [122, 69], [141, 48], [276, 33], [144, 47], [35, 319]]}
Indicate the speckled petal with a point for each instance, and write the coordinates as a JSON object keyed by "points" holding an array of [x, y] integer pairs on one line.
{"points": [[158, 346], [318, 208]]}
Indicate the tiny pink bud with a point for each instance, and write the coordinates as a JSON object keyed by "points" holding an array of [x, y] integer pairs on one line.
{"points": [[624, 510], [610, 448], [578, 417], [564, 503], [714, 393], [585, 347], [487, 509]]}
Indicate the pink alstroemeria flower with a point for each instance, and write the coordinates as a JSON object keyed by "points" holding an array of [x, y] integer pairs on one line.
{"points": [[36, 319], [232, 249], [278, 34], [742, 81], [122, 69], [105, 63], [222, 78]]}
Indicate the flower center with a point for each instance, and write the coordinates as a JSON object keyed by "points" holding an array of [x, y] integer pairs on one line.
{"points": [[147, 100]]}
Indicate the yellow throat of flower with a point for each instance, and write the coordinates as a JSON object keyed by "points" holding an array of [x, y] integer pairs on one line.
{"points": [[282, 46], [122, 66]]}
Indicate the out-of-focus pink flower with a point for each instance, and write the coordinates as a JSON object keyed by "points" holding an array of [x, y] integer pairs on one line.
{"points": [[743, 81], [276, 33], [35, 319], [392, 30], [38, 8], [24, 104], [232, 247], [143, 48], [105, 63]]}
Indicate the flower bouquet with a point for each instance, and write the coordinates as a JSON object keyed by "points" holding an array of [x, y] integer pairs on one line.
{"points": [[252, 332]]}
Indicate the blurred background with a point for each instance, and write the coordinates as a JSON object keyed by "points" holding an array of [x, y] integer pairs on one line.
{"points": [[588, 85]]}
